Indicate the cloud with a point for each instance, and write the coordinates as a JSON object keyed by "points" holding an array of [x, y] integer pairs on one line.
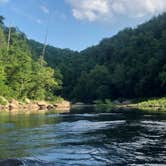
{"points": [[90, 10], [100, 10], [44, 9], [4, 1]]}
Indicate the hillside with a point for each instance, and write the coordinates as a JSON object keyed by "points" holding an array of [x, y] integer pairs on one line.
{"points": [[131, 64]]}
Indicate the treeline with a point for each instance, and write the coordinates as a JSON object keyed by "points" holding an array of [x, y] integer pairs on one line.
{"points": [[20, 75], [131, 64]]}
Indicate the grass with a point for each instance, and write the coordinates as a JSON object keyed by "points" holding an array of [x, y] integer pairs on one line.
{"points": [[3, 101], [153, 105], [156, 104]]}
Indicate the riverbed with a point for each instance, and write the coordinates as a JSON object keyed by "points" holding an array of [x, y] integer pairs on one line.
{"points": [[84, 138]]}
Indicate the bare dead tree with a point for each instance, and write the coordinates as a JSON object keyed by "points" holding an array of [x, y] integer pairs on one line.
{"points": [[45, 44], [45, 40], [9, 37]]}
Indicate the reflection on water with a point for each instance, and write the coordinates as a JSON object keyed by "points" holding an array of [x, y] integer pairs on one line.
{"points": [[84, 139]]}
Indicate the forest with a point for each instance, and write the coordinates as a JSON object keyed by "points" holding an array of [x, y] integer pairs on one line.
{"points": [[129, 65], [20, 75]]}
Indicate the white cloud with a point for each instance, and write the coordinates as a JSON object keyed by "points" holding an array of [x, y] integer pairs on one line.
{"points": [[99, 10], [4, 1], [90, 10], [44, 9]]}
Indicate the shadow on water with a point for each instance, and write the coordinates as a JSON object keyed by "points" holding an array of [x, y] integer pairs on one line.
{"points": [[84, 138]]}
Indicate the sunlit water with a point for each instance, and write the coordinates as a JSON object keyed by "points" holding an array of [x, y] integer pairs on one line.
{"points": [[84, 139]]}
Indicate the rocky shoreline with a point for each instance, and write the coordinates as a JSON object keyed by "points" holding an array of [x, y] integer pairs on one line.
{"points": [[15, 105]]}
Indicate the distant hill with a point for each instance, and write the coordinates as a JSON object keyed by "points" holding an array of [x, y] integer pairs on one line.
{"points": [[131, 64]]}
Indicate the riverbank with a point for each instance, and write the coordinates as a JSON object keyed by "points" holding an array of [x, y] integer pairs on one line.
{"points": [[108, 105], [33, 106], [151, 104]]}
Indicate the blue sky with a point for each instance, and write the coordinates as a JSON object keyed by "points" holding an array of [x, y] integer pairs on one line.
{"points": [[77, 24]]}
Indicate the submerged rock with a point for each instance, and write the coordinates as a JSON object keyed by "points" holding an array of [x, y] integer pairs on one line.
{"points": [[127, 102], [11, 162], [24, 162], [116, 102]]}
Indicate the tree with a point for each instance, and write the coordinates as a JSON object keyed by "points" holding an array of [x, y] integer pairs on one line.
{"points": [[20, 75], [1, 20]]}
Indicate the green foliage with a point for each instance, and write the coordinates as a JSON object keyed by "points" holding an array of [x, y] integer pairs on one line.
{"points": [[43, 82], [3, 101], [153, 103], [162, 76], [128, 65], [1, 19], [104, 105], [93, 85], [21, 76]]}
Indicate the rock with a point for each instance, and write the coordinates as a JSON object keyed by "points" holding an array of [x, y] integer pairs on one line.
{"points": [[42, 105], [27, 101], [116, 102], [11, 162], [79, 103], [49, 107], [14, 104], [63, 104], [33, 106], [41, 102], [2, 107], [21, 106], [126, 102]]}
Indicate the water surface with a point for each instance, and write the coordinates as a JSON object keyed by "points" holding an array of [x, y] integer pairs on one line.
{"points": [[85, 139]]}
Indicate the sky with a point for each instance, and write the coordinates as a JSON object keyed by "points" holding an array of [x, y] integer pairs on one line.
{"points": [[77, 24]]}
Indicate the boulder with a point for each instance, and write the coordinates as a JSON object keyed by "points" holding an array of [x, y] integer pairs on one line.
{"points": [[50, 107], [79, 103], [127, 102], [27, 101], [11, 162], [2, 107], [63, 104], [33, 106], [116, 102], [42, 105], [14, 104]]}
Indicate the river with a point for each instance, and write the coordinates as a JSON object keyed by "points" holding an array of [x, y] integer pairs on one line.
{"points": [[84, 139]]}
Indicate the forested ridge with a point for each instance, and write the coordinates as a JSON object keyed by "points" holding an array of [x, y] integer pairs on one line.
{"points": [[131, 64]]}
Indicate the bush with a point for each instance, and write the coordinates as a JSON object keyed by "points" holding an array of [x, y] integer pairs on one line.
{"points": [[3, 101], [104, 106]]}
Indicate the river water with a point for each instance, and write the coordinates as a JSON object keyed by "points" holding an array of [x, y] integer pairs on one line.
{"points": [[84, 139]]}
